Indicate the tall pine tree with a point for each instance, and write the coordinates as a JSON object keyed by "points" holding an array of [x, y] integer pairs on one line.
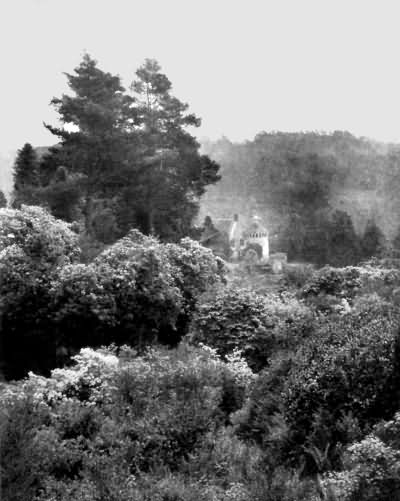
{"points": [[99, 145], [172, 175], [134, 154], [26, 177]]}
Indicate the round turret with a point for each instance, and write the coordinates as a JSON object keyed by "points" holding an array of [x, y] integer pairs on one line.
{"points": [[256, 235]]}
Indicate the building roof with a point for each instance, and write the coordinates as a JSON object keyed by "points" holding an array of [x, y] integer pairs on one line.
{"points": [[255, 225]]}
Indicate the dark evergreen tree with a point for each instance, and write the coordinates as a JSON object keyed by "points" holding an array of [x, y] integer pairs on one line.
{"points": [[173, 174], [373, 241], [101, 146], [344, 244], [134, 156], [26, 176], [63, 194], [396, 241], [3, 200]]}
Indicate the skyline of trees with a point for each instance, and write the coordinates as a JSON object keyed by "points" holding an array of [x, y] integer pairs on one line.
{"points": [[128, 160]]}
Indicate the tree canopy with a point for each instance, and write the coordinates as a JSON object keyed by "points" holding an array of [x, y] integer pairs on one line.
{"points": [[132, 152]]}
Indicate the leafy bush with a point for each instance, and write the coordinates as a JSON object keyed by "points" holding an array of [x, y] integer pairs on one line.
{"points": [[371, 467], [339, 381], [352, 280], [342, 282], [232, 319], [33, 245], [297, 274], [136, 291], [100, 428], [348, 366]]}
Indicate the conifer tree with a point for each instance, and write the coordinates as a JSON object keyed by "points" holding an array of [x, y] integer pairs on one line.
{"points": [[373, 240], [26, 178], [134, 154], [173, 175], [3, 200], [97, 149], [344, 244]]}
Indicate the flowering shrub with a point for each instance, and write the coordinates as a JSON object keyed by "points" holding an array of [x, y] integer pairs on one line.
{"points": [[136, 291], [257, 325], [372, 472], [98, 428], [33, 245], [44, 239], [347, 366], [328, 286], [297, 274], [199, 268]]}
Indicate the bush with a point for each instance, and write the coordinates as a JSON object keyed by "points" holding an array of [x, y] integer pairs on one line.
{"points": [[329, 285], [297, 274], [348, 366], [372, 468], [103, 427], [238, 319], [137, 291], [339, 381], [33, 245], [339, 282]]}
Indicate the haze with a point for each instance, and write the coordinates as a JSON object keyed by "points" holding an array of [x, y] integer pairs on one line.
{"points": [[243, 66]]}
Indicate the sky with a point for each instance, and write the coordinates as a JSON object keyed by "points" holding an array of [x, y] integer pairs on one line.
{"points": [[243, 66]]}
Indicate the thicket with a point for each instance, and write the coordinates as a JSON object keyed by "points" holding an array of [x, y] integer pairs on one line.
{"points": [[136, 291], [291, 396], [239, 319]]}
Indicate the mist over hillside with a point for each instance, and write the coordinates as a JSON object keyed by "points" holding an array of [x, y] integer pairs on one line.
{"points": [[6, 163], [359, 176]]}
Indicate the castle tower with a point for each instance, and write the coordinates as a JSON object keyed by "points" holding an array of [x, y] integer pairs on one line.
{"points": [[257, 233]]}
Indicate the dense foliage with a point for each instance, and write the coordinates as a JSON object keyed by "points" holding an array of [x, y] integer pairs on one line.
{"points": [[283, 395], [125, 160], [33, 245], [239, 319], [127, 427], [137, 290]]}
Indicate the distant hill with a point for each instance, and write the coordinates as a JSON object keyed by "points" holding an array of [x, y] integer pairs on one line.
{"points": [[364, 182]]}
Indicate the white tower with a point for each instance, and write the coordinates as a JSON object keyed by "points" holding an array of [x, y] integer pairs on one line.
{"points": [[257, 233]]}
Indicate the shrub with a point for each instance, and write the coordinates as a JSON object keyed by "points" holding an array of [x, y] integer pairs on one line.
{"points": [[256, 325], [340, 282], [345, 283], [19, 458], [33, 245], [100, 428], [136, 291], [297, 274], [348, 366], [371, 472], [333, 387]]}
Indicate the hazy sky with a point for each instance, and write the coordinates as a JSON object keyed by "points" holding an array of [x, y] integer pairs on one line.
{"points": [[243, 66]]}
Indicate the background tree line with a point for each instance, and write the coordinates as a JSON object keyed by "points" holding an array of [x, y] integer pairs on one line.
{"points": [[326, 198]]}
